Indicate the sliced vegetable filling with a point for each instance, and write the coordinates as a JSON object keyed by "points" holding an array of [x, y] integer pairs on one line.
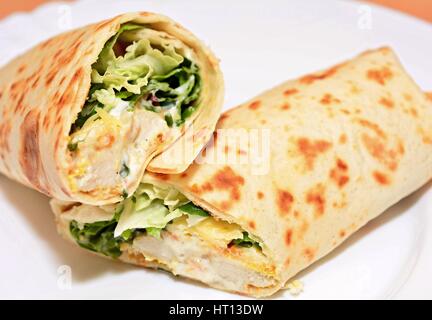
{"points": [[148, 213], [135, 72]]}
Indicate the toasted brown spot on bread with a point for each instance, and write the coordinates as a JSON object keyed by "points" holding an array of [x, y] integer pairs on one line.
{"points": [[339, 174], [381, 178], [289, 92], [378, 149], [50, 77], [252, 225], [224, 205], [184, 175], [207, 187], [254, 105], [342, 233], [372, 126], [5, 129], [160, 137], [77, 76], [429, 96], [223, 118], [407, 97], [21, 68], [260, 195], [380, 76], [29, 156], [413, 112], [285, 106], [427, 139], [316, 198], [284, 201], [386, 102], [225, 180], [311, 149], [342, 138], [58, 53], [288, 237], [309, 253], [35, 82], [311, 78], [345, 111], [328, 98]]}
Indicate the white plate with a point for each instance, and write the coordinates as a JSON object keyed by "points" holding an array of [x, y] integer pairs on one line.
{"points": [[260, 43]]}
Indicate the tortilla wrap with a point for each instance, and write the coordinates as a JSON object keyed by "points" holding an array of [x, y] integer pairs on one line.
{"points": [[343, 145], [84, 113]]}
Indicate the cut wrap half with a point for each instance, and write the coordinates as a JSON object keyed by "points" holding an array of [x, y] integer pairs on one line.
{"points": [[337, 148], [84, 113]]}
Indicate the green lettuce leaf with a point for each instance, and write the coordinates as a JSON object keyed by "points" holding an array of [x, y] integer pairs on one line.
{"points": [[156, 76], [150, 209], [155, 215], [192, 209], [97, 236], [246, 242]]}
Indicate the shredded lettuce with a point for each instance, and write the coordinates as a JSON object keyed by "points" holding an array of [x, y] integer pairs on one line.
{"points": [[192, 209], [136, 73], [98, 236], [245, 242], [148, 211]]}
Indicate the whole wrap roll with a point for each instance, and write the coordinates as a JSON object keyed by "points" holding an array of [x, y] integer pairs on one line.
{"points": [[335, 149], [44, 98]]}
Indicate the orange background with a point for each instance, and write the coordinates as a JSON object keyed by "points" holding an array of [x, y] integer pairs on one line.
{"points": [[419, 8]]}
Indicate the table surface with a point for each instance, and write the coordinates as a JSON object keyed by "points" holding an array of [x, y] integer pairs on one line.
{"points": [[419, 8]]}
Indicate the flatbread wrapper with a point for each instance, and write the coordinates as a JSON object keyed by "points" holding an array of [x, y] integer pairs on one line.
{"points": [[343, 145], [43, 91]]}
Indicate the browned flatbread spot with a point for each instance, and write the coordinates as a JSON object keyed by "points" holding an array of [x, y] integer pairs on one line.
{"points": [[227, 179], [288, 237], [252, 225], [381, 178], [380, 76], [284, 201], [328, 98], [309, 253], [342, 138], [386, 102], [372, 126], [413, 112], [285, 106], [311, 149], [254, 105], [5, 129], [311, 78], [21, 68], [289, 92], [427, 139], [339, 174], [316, 198], [260, 195], [378, 149]]}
